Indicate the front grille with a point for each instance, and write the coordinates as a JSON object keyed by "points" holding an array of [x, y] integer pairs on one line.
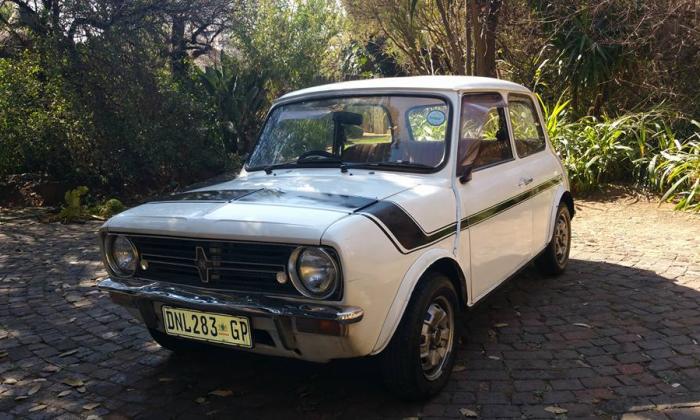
{"points": [[234, 266]]}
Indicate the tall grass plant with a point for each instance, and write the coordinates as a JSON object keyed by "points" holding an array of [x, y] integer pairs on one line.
{"points": [[641, 147]]}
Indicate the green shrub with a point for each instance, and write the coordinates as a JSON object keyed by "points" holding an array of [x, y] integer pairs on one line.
{"points": [[677, 172], [118, 127], [39, 126], [73, 210], [110, 207], [595, 151], [640, 147]]}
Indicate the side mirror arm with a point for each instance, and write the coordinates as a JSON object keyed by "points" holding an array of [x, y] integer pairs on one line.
{"points": [[466, 175]]}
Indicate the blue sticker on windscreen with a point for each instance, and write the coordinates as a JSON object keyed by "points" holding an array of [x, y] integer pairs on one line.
{"points": [[436, 117]]}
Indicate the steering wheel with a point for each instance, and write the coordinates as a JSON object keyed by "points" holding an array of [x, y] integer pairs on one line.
{"points": [[317, 153]]}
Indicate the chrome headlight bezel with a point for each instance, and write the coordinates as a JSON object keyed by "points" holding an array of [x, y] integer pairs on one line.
{"points": [[300, 283], [109, 257]]}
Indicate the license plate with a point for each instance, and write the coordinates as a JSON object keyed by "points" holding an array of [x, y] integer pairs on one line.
{"points": [[205, 326]]}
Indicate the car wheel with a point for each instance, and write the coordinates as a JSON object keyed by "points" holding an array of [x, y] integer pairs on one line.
{"points": [[555, 257], [418, 361]]}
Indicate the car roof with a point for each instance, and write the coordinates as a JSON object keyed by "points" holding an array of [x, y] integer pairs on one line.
{"points": [[427, 83]]}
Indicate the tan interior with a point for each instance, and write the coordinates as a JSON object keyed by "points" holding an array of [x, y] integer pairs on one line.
{"points": [[425, 152]]}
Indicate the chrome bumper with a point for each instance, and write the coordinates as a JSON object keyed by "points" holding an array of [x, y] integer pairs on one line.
{"points": [[231, 302]]}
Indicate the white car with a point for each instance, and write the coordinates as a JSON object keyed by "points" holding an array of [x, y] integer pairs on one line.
{"points": [[367, 217]]}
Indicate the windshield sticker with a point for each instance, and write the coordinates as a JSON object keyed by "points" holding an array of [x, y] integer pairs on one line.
{"points": [[436, 118]]}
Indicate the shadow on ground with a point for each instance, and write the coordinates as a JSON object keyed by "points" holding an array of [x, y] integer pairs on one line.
{"points": [[602, 339]]}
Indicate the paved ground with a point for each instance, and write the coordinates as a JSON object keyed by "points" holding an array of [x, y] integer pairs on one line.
{"points": [[618, 333]]}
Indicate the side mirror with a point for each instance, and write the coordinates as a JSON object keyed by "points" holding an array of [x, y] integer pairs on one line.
{"points": [[466, 175]]}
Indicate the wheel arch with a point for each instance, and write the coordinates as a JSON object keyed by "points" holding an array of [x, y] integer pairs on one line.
{"points": [[451, 269], [435, 260], [568, 199], [562, 195]]}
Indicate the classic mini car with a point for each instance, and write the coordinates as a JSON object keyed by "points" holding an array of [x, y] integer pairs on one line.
{"points": [[368, 216]]}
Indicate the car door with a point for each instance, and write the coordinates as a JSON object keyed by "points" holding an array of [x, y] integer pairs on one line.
{"points": [[498, 227], [538, 164]]}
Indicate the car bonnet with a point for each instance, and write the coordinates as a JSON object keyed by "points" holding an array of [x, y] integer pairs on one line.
{"points": [[256, 210]]}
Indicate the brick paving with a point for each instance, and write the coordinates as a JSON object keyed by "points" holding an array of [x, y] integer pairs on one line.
{"points": [[616, 336]]}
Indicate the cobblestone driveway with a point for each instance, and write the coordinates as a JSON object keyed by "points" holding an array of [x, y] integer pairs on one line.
{"points": [[618, 333]]}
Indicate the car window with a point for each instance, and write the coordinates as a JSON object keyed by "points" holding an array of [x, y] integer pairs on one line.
{"points": [[428, 123], [484, 138], [374, 128], [527, 131], [384, 132], [307, 134]]}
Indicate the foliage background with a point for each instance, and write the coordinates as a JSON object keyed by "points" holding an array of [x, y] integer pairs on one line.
{"points": [[132, 97]]}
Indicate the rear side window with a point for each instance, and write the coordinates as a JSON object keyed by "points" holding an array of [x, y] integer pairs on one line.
{"points": [[483, 139], [527, 130]]}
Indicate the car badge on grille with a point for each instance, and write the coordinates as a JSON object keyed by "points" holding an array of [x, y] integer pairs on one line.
{"points": [[203, 265]]}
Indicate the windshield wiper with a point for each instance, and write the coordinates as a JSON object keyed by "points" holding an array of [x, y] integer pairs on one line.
{"points": [[293, 164], [344, 166], [316, 159], [388, 164], [269, 168]]}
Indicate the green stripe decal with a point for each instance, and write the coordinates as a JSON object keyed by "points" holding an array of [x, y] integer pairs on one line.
{"points": [[488, 213], [408, 236]]}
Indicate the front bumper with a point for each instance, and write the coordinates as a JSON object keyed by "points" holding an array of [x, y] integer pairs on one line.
{"points": [[284, 327]]}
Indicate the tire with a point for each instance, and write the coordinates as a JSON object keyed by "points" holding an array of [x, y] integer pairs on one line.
{"points": [[555, 257], [405, 373]]}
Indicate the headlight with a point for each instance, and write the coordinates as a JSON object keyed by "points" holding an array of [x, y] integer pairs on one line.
{"points": [[121, 255], [314, 272]]}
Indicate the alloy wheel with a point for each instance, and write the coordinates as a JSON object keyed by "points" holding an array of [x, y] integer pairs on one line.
{"points": [[561, 239], [437, 335]]}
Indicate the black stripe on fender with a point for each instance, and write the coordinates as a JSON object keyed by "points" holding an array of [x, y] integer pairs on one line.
{"points": [[408, 236], [391, 217]]}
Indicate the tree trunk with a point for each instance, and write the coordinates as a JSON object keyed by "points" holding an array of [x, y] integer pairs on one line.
{"points": [[456, 64], [491, 27], [178, 51], [485, 15], [476, 31], [468, 38]]}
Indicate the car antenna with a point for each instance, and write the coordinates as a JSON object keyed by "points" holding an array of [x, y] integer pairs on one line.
{"points": [[268, 170]]}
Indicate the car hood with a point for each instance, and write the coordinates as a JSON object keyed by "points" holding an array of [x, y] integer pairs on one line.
{"points": [[286, 207]]}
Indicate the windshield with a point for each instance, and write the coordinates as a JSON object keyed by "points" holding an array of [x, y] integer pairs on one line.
{"points": [[392, 131]]}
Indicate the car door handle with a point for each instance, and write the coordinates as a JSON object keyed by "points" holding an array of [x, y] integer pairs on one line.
{"points": [[524, 181]]}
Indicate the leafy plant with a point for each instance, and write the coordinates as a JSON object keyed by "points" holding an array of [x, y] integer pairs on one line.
{"points": [[73, 210], [678, 173], [110, 207], [554, 116], [593, 151], [240, 100], [642, 147]]}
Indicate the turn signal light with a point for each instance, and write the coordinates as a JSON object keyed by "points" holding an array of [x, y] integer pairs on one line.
{"points": [[320, 326]]}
